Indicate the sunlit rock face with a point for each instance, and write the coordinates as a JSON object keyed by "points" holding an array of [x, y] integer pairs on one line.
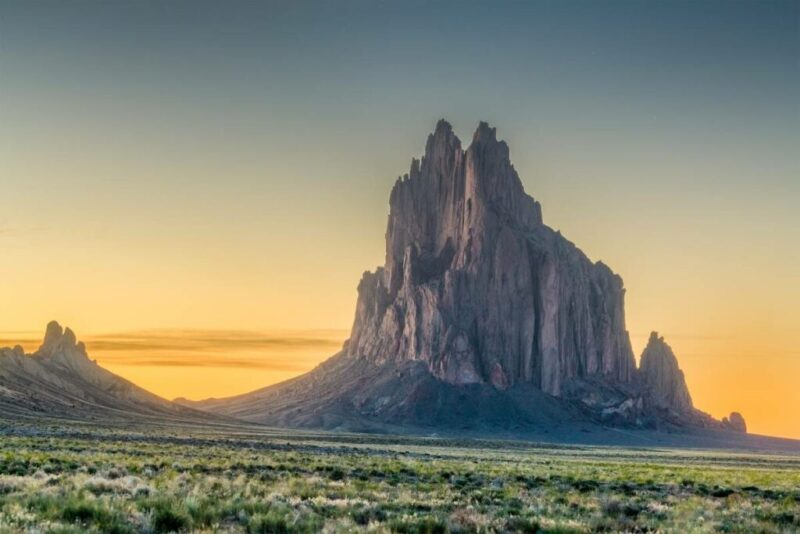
{"points": [[662, 378], [478, 288]]}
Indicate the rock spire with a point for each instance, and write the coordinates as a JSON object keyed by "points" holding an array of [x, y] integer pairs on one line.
{"points": [[478, 288], [662, 378]]}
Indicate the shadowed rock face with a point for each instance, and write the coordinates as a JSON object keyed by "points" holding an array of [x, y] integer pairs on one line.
{"points": [[662, 378], [477, 288]]}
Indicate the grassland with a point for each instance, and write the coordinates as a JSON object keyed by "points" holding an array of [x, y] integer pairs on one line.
{"points": [[202, 481]]}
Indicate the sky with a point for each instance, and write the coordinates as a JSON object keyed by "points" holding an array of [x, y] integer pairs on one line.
{"points": [[196, 187]]}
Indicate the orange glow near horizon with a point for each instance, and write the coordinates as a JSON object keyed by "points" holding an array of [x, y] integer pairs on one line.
{"points": [[131, 265], [198, 364], [722, 375]]}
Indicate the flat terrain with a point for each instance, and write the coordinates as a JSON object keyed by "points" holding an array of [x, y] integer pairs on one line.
{"points": [[56, 478]]}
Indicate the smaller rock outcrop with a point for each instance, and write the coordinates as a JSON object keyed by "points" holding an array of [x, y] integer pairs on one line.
{"points": [[735, 422], [662, 379], [60, 381]]}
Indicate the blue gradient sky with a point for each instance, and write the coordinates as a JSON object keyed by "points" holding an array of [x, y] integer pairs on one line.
{"points": [[227, 165]]}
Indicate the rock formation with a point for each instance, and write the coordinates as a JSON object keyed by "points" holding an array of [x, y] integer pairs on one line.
{"points": [[478, 288], [662, 379], [735, 422], [482, 317], [59, 380]]}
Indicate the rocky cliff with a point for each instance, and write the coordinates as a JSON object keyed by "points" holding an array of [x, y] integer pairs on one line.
{"points": [[478, 288]]}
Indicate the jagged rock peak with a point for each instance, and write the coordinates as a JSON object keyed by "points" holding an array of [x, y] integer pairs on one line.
{"points": [[478, 288], [60, 340], [53, 333], [486, 135], [442, 137], [662, 377], [443, 129]]}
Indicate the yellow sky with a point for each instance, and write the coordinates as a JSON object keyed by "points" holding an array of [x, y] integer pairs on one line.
{"points": [[173, 244], [719, 277]]}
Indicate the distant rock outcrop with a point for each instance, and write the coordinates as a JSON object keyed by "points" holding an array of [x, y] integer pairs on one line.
{"points": [[59, 380], [735, 422], [662, 378]]}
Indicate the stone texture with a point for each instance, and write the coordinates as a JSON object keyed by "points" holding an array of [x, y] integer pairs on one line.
{"points": [[662, 379], [478, 288]]}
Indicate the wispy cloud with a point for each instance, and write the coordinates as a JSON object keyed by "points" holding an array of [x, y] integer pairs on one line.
{"points": [[266, 362], [279, 350], [216, 340]]}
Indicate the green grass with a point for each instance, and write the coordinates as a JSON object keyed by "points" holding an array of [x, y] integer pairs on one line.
{"points": [[198, 481]]}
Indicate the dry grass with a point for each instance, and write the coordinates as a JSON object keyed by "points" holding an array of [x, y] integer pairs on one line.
{"points": [[129, 482]]}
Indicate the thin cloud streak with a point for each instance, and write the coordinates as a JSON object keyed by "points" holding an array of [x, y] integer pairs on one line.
{"points": [[216, 340], [210, 348], [189, 361], [285, 351]]}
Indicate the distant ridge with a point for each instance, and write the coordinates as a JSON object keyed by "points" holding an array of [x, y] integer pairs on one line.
{"points": [[60, 381], [482, 318]]}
